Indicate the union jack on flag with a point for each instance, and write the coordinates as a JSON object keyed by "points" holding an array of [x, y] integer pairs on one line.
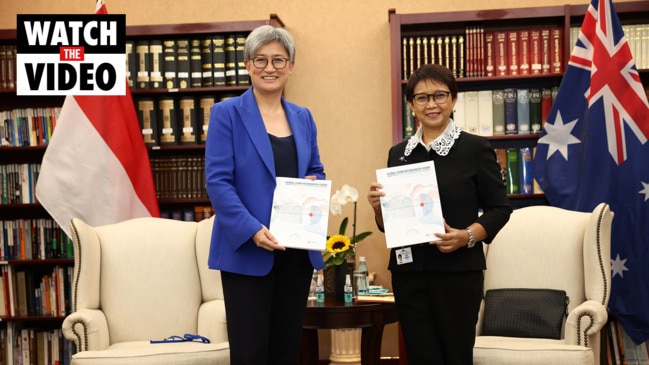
{"points": [[593, 149]]}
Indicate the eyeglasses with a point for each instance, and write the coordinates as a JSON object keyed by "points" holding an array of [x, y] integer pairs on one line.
{"points": [[440, 97], [277, 62]]}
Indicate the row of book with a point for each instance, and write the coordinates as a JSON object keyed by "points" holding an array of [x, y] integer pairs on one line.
{"points": [[212, 60], [175, 120], [620, 348], [28, 345], [480, 53], [35, 294], [27, 126], [8, 66], [34, 239], [180, 177], [17, 183], [637, 35], [496, 112], [196, 213], [517, 170]]}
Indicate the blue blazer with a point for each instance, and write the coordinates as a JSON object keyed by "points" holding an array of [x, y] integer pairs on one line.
{"points": [[240, 178]]}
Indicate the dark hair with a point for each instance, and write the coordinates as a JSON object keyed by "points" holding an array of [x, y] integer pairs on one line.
{"points": [[432, 72]]}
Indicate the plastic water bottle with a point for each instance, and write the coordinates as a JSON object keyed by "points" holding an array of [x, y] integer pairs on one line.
{"points": [[314, 281], [349, 294], [319, 290], [362, 281]]}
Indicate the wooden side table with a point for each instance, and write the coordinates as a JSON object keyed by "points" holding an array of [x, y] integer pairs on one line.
{"points": [[371, 318]]}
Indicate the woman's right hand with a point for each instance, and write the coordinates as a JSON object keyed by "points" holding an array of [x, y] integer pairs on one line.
{"points": [[264, 239], [374, 196]]}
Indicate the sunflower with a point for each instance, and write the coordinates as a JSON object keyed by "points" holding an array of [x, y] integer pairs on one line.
{"points": [[338, 243]]}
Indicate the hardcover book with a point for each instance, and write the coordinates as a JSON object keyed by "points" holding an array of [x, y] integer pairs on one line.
{"points": [[147, 115], [523, 110], [490, 67], [556, 50], [243, 79], [498, 111], [501, 158], [409, 127], [167, 121], [459, 113], [230, 50], [524, 51], [485, 113], [471, 122], [526, 178], [169, 56], [204, 107], [195, 63], [156, 64], [512, 52], [218, 59], [207, 70], [183, 64], [535, 51], [142, 57], [131, 64], [511, 111], [546, 104], [535, 110], [545, 51], [187, 110], [513, 171], [501, 56]]}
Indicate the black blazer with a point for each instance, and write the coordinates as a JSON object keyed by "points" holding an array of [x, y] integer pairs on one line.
{"points": [[469, 181]]}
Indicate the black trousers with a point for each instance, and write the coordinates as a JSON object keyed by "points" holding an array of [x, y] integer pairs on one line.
{"points": [[265, 314], [438, 313]]}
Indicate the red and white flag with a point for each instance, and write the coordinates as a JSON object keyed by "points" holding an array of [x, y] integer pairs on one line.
{"points": [[96, 166]]}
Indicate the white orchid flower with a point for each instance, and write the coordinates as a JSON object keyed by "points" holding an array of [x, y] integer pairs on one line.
{"points": [[347, 194], [334, 205]]}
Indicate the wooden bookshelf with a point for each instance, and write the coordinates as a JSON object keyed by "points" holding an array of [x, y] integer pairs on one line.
{"points": [[16, 155], [438, 25]]}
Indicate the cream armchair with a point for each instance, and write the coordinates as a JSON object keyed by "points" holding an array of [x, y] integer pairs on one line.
{"points": [[548, 247], [140, 280]]}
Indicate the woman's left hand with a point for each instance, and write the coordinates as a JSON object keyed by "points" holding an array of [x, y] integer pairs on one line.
{"points": [[452, 240]]}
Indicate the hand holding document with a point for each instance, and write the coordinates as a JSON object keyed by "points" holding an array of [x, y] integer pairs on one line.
{"points": [[300, 213], [412, 212]]}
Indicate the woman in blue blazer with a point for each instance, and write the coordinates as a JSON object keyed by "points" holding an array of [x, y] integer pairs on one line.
{"points": [[251, 140]]}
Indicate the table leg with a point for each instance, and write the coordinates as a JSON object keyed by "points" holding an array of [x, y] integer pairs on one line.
{"points": [[309, 351], [371, 338]]}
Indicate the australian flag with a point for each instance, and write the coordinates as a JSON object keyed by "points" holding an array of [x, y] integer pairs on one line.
{"points": [[593, 149]]}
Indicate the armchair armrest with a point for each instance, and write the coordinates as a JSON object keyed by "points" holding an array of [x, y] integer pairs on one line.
{"points": [[88, 329], [212, 321], [584, 321]]}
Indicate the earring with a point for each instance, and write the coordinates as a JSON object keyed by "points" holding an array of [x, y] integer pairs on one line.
{"points": [[454, 110], [413, 113]]}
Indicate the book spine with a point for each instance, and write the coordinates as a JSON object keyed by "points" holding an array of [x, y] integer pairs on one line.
{"points": [[218, 60], [167, 121], [408, 121], [459, 113], [471, 122], [131, 64], [546, 105], [485, 112], [512, 52], [513, 171], [183, 63], [142, 57], [230, 60], [535, 51], [207, 70], [148, 120], [511, 112], [243, 79], [187, 109], [501, 158], [461, 54], [545, 51], [523, 110], [490, 67], [524, 51], [498, 101], [526, 177], [169, 56], [501, 53], [535, 110], [195, 63], [205, 105], [556, 50], [156, 64]]}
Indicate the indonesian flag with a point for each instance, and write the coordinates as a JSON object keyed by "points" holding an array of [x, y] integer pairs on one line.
{"points": [[96, 166]]}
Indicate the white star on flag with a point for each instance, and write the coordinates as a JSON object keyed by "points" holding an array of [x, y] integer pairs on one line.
{"points": [[645, 190], [617, 267], [559, 136]]}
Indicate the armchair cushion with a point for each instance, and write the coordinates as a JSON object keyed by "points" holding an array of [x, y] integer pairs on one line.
{"points": [[524, 312]]}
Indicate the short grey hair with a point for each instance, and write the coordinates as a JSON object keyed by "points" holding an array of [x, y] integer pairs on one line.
{"points": [[265, 34]]}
